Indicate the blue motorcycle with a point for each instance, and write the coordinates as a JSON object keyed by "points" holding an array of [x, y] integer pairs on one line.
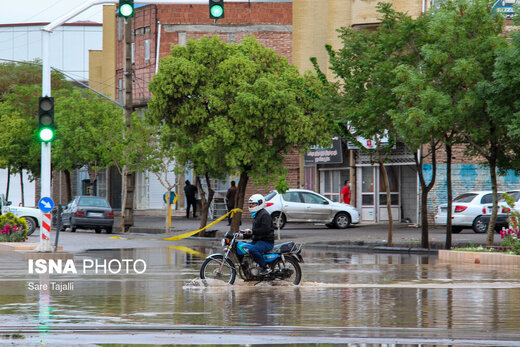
{"points": [[284, 260]]}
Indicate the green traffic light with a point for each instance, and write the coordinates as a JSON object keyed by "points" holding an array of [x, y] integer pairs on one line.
{"points": [[126, 10], [46, 134], [216, 11]]}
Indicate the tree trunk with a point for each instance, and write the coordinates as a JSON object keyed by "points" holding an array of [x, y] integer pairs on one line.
{"points": [[68, 183], [124, 183], [425, 189], [450, 197], [92, 179], [388, 200], [205, 203], [491, 227], [21, 187], [239, 201], [8, 184]]}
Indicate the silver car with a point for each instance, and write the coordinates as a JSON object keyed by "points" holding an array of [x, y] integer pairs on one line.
{"points": [[301, 205], [468, 209]]}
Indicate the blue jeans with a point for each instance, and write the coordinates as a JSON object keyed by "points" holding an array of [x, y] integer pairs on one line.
{"points": [[257, 248]]}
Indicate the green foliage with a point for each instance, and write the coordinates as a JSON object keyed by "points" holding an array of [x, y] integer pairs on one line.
{"points": [[225, 108], [84, 124], [366, 66], [20, 88], [12, 228]]}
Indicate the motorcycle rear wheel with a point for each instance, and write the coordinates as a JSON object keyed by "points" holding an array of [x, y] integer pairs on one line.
{"points": [[291, 267], [210, 269]]}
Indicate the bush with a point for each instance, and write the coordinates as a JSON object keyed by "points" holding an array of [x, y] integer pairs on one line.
{"points": [[12, 229]]}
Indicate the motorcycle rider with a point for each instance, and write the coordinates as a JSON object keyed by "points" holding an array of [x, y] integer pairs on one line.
{"points": [[262, 232]]}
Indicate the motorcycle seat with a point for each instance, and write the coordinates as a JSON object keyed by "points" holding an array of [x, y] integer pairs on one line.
{"points": [[283, 248]]}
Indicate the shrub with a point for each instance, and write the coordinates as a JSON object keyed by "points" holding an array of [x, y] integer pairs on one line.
{"points": [[12, 229]]}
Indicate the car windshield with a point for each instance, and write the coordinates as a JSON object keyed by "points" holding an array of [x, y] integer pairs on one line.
{"points": [[93, 201], [270, 195], [465, 197]]}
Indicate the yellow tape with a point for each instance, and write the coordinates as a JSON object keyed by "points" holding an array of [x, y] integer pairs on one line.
{"points": [[188, 234], [191, 233]]}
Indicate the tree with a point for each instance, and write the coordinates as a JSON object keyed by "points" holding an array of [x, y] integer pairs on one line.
{"points": [[365, 66], [444, 92], [80, 116], [235, 108]]}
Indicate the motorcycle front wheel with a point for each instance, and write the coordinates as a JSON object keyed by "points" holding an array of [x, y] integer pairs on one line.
{"points": [[215, 267], [289, 272]]}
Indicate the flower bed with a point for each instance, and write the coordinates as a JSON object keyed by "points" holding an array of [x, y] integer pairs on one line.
{"points": [[12, 229]]}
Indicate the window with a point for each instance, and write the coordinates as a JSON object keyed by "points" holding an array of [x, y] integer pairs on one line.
{"points": [[487, 199], [292, 197], [133, 52], [146, 49], [465, 197], [309, 198]]}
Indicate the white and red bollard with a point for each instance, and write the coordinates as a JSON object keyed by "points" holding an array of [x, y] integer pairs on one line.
{"points": [[45, 234]]}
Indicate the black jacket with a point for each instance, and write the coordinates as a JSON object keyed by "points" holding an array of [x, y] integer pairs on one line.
{"points": [[263, 229]]}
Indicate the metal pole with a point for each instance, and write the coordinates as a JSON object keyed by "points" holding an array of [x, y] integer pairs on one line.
{"points": [[45, 183]]}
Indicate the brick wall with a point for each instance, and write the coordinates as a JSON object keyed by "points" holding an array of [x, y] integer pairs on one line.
{"points": [[269, 22]]}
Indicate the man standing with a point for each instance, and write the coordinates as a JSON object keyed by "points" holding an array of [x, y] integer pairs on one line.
{"points": [[230, 199], [345, 193], [190, 191]]}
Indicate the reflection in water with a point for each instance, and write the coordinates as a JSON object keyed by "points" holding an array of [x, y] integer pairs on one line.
{"points": [[339, 289]]}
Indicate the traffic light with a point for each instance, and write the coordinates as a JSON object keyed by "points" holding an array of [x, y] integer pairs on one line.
{"points": [[126, 8], [216, 9], [46, 118]]}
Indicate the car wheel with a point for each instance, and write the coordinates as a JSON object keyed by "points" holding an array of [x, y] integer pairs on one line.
{"points": [[278, 217], [479, 226], [455, 230], [31, 225], [109, 230], [342, 220], [97, 230], [72, 228]]}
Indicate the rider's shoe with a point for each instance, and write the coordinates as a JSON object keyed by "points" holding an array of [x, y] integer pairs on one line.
{"points": [[265, 271]]}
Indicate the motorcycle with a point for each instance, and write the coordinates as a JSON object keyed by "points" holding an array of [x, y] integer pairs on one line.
{"points": [[284, 260]]}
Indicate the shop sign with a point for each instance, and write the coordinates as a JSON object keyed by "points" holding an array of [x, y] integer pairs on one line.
{"points": [[325, 155]]}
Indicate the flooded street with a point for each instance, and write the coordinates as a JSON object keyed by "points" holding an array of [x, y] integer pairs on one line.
{"points": [[344, 296]]}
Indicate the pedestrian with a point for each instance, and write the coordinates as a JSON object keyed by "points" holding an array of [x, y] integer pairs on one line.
{"points": [[345, 193], [230, 199], [262, 232], [190, 191]]}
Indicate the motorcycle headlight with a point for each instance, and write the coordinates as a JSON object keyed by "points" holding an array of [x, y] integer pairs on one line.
{"points": [[223, 242]]}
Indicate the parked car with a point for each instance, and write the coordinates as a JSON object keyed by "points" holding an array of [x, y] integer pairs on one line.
{"points": [[468, 209], [503, 211], [88, 212], [301, 205]]}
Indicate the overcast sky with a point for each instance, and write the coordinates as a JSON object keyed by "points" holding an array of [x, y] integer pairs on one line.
{"points": [[29, 11]]}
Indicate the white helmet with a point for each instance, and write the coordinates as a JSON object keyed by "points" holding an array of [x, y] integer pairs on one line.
{"points": [[258, 200]]}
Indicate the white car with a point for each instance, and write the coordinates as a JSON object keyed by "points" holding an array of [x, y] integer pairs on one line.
{"points": [[301, 205], [468, 209]]}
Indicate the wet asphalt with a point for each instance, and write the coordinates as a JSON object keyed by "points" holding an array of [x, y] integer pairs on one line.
{"points": [[148, 230]]}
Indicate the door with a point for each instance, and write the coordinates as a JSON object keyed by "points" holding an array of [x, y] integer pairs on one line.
{"points": [[292, 206], [368, 207], [393, 181], [317, 208]]}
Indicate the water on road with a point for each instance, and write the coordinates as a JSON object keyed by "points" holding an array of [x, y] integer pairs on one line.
{"points": [[345, 296]]}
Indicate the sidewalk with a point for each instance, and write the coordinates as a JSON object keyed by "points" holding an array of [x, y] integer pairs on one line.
{"points": [[405, 236]]}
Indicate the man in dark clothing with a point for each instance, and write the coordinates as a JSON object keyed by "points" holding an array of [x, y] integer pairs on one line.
{"points": [[190, 191], [230, 199], [262, 232]]}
